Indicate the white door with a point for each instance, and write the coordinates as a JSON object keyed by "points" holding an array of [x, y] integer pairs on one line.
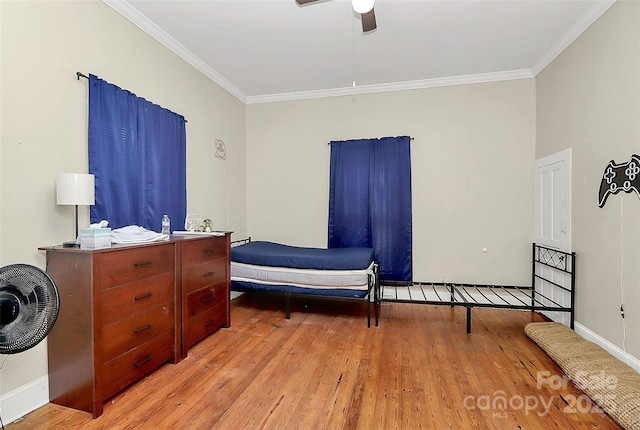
{"points": [[553, 223]]}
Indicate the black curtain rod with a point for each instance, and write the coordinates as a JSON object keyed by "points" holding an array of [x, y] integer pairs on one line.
{"points": [[82, 75], [329, 143]]}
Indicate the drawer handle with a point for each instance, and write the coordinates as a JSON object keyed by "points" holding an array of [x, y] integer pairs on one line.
{"points": [[141, 329], [211, 321], [143, 263], [208, 299], [209, 274], [140, 363], [144, 296], [209, 250]]}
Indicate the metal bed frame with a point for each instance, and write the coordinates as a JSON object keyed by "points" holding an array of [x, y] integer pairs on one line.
{"points": [[547, 264], [373, 287]]}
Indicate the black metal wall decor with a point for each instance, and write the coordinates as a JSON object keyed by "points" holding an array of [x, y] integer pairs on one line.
{"points": [[620, 177]]}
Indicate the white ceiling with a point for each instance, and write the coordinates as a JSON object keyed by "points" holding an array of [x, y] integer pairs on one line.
{"points": [[268, 50]]}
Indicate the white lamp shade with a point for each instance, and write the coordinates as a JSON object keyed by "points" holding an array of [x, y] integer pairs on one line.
{"points": [[75, 189], [363, 6]]}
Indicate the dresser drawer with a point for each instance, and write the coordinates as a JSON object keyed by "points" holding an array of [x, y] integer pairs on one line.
{"points": [[206, 298], [127, 265], [201, 275], [204, 324], [128, 368], [200, 251], [120, 302], [124, 335]]}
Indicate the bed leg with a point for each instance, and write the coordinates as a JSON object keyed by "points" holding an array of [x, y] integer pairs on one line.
{"points": [[468, 319], [287, 300], [571, 322], [453, 297], [376, 295], [368, 312]]}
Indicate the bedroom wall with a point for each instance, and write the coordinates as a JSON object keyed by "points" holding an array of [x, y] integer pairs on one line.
{"points": [[472, 172], [44, 129], [588, 99]]}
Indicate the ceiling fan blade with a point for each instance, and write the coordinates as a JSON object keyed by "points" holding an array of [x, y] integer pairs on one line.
{"points": [[303, 2], [368, 21]]}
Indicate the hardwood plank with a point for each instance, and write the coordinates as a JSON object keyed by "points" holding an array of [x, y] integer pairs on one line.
{"points": [[255, 406], [305, 400], [341, 379], [325, 369], [373, 352]]}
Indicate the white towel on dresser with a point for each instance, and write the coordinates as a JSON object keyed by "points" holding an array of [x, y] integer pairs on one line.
{"points": [[136, 234]]}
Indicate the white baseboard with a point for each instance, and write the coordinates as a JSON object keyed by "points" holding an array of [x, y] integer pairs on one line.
{"points": [[27, 398], [612, 349]]}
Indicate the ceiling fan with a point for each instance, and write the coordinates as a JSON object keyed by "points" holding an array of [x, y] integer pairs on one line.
{"points": [[363, 7]]}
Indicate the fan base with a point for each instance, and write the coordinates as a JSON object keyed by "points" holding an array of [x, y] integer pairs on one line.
{"points": [[70, 245]]}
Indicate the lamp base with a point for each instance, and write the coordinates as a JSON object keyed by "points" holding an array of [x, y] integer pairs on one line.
{"points": [[70, 245]]}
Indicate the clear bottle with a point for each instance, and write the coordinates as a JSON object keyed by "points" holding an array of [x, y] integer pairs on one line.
{"points": [[166, 224]]}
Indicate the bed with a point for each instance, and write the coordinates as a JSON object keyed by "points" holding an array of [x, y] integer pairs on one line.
{"points": [[552, 289], [338, 273], [292, 271]]}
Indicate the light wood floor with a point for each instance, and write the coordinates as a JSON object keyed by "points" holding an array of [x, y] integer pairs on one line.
{"points": [[324, 369]]}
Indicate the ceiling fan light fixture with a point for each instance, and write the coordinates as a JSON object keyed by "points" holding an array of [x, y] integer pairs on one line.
{"points": [[362, 6]]}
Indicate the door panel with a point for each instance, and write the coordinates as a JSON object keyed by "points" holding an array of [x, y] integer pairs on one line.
{"points": [[553, 224]]}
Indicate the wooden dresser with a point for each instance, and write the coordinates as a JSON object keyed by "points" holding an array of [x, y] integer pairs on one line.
{"points": [[127, 310], [205, 280]]}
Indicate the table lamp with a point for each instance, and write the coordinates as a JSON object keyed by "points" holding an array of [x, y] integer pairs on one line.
{"points": [[75, 189]]}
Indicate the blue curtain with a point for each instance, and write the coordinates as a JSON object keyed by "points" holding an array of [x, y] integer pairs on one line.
{"points": [[370, 201], [137, 152]]}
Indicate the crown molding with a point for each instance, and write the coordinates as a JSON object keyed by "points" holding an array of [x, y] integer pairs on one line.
{"points": [[396, 86], [594, 12], [139, 20], [142, 22]]}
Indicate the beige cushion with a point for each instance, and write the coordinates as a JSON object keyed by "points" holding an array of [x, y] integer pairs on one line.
{"points": [[612, 384]]}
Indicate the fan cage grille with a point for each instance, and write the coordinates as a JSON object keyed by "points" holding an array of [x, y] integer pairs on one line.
{"points": [[38, 309]]}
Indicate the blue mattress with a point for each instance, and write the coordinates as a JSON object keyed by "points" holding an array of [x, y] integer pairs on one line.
{"points": [[262, 253]]}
